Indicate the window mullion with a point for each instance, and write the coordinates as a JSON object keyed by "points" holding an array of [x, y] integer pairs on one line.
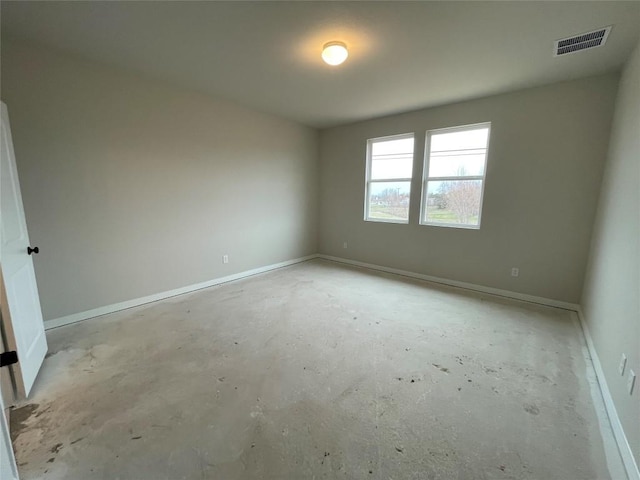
{"points": [[391, 180], [455, 178]]}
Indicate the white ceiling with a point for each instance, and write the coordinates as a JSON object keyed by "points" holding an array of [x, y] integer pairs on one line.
{"points": [[266, 55]]}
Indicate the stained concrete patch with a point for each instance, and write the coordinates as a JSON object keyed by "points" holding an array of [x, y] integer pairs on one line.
{"points": [[532, 409], [19, 418], [441, 368], [56, 448]]}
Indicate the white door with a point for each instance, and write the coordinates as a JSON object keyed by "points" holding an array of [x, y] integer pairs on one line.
{"points": [[20, 304], [8, 468]]}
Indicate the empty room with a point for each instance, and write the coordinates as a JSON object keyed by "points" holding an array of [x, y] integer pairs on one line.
{"points": [[320, 240]]}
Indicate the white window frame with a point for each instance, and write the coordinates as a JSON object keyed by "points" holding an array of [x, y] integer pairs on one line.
{"points": [[426, 178], [368, 180]]}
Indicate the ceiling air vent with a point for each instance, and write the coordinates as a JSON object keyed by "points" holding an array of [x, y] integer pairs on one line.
{"points": [[584, 41]]}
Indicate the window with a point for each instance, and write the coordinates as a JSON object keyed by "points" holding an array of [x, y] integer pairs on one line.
{"points": [[454, 171], [389, 168]]}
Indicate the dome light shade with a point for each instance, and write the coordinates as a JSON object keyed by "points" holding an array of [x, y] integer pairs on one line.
{"points": [[334, 53]]}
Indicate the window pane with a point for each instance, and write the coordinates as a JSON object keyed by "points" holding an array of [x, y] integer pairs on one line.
{"points": [[462, 140], [389, 201], [466, 163], [391, 158], [454, 202]]}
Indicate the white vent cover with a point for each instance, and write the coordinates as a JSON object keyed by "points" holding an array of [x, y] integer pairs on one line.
{"points": [[593, 39]]}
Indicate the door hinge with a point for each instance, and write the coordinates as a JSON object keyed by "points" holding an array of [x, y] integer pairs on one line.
{"points": [[8, 358]]}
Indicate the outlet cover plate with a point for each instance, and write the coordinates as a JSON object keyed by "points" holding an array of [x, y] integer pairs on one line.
{"points": [[623, 364]]}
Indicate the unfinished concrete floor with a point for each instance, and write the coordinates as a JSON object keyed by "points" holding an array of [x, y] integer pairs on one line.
{"points": [[315, 371]]}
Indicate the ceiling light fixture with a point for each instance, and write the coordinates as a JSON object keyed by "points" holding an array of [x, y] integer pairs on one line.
{"points": [[334, 53]]}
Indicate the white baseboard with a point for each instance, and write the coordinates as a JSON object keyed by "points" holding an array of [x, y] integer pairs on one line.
{"points": [[96, 312], [630, 465], [454, 283]]}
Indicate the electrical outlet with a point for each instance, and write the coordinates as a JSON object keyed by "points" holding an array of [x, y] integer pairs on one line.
{"points": [[225, 259], [631, 381], [623, 363], [515, 271], [344, 245]]}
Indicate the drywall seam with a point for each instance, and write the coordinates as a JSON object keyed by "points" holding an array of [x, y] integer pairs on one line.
{"points": [[454, 283], [116, 307], [618, 431]]}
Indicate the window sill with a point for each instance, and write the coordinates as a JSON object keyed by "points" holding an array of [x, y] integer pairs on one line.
{"points": [[451, 225]]}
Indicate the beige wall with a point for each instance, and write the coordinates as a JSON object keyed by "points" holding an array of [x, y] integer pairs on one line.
{"points": [[132, 187], [611, 297], [546, 157]]}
